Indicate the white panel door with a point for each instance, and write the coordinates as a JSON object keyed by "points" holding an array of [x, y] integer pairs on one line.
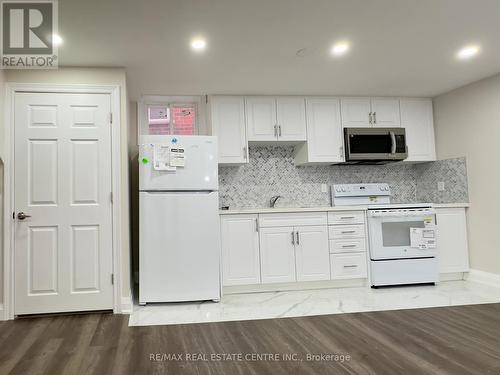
{"points": [[385, 113], [228, 124], [416, 118], [277, 254], [240, 250], [261, 118], [312, 253], [291, 118], [324, 130], [63, 251], [452, 249], [355, 112]]}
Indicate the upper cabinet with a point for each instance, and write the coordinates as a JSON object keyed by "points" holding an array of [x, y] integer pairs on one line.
{"points": [[385, 113], [356, 113], [324, 133], [417, 119], [228, 124], [315, 124], [276, 119], [370, 112]]}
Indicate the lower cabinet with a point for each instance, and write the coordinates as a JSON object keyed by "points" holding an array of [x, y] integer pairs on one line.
{"points": [[311, 253], [277, 250], [453, 253], [240, 250], [348, 266]]}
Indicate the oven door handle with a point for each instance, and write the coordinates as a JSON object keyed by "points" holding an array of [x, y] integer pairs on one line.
{"points": [[393, 142]]}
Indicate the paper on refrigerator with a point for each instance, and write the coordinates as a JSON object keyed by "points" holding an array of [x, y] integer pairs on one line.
{"points": [[423, 238], [161, 158]]}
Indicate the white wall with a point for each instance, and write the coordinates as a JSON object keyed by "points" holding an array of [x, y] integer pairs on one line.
{"points": [[96, 76], [467, 123]]}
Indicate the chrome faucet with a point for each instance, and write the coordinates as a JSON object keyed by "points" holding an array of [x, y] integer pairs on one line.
{"points": [[272, 201]]}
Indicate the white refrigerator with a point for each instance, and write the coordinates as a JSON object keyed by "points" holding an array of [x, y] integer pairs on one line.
{"points": [[179, 245]]}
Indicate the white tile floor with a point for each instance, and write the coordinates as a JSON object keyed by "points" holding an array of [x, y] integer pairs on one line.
{"points": [[315, 302]]}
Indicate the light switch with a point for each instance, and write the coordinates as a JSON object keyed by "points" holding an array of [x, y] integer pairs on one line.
{"points": [[440, 185], [324, 188]]}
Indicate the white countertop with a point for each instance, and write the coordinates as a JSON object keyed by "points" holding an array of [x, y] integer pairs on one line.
{"points": [[265, 210]]}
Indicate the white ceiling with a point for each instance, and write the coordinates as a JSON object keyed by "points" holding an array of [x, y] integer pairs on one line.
{"points": [[399, 47]]}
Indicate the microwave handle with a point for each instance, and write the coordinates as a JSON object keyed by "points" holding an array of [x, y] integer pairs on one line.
{"points": [[393, 142]]}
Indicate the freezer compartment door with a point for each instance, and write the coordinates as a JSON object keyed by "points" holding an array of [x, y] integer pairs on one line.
{"points": [[179, 252], [200, 171]]}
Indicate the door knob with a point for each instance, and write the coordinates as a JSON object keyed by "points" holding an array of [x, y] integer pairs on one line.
{"points": [[22, 216]]}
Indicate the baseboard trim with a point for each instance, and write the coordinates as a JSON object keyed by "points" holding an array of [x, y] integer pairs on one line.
{"points": [[483, 277], [126, 305], [452, 276], [305, 285]]}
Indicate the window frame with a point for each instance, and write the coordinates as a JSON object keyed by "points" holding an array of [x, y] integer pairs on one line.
{"points": [[199, 102]]}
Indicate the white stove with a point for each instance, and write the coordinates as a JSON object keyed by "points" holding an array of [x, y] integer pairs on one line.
{"points": [[395, 258]]}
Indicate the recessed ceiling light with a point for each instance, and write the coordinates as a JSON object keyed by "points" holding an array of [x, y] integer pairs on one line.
{"points": [[56, 40], [198, 44], [340, 48], [468, 51]]}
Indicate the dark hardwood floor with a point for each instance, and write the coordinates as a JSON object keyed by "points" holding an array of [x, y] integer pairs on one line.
{"points": [[448, 340]]}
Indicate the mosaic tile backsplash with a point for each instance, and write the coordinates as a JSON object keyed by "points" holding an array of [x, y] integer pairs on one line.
{"points": [[271, 171]]}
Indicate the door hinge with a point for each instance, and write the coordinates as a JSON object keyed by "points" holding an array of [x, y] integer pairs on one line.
{"points": [[111, 197], [206, 99], [112, 279]]}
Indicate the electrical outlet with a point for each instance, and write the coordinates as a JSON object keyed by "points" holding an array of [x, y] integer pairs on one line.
{"points": [[440, 185], [324, 188]]}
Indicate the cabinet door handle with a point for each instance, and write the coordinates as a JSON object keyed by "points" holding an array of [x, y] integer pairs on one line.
{"points": [[298, 238], [279, 130], [370, 118], [275, 131], [245, 153], [348, 246], [351, 266], [348, 231], [346, 217], [374, 117], [256, 225], [293, 238]]}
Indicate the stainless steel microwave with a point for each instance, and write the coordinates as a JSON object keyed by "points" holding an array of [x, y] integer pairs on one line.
{"points": [[375, 145]]}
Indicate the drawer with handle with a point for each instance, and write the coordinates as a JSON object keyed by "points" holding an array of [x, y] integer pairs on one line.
{"points": [[346, 217], [348, 246], [348, 266], [338, 232]]}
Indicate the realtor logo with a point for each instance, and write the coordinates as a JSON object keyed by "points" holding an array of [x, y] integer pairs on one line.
{"points": [[28, 33]]}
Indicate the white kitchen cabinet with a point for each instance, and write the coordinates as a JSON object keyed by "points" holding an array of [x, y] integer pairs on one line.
{"points": [[275, 119], [277, 251], [228, 124], [261, 118], [417, 119], [325, 139], [370, 112], [385, 113], [355, 112], [240, 250], [452, 248], [311, 253], [291, 118]]}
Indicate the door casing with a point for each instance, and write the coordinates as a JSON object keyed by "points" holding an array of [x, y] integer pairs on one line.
{"points": [[8, 222]]}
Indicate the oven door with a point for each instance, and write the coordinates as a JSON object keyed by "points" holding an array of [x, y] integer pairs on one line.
{"points": [[390, 234]]}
